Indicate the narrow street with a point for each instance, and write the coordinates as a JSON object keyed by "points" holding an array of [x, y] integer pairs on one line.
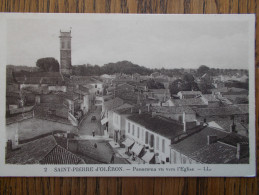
{"points": [[87, 126]]}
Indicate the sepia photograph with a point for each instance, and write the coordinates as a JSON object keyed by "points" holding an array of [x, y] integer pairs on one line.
{"points": [[127, 95]]}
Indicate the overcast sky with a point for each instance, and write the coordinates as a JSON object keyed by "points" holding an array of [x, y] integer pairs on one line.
{"points": [[154, 42]]}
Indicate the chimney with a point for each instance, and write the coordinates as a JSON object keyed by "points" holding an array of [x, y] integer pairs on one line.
{"points": [[242, 150], [148, 107], [232, 128], [139, 111], [211, 139], [184, 122]]}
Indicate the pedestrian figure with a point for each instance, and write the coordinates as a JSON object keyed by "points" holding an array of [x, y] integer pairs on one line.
{"points": [[93, 133], [112, 159]]}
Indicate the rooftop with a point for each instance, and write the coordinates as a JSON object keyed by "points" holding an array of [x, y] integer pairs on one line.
{"points": [[166, 128], [102, 153], [210, 97], [172, 109], [59, 155], [222, 111], [189, 102], [190, 92], [197, 140], [216, 153], [159, 91], [233, 139], [31, 152], [38, 77], [113, 103]]}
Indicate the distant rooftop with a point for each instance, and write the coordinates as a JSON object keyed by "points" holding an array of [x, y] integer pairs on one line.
{"points": [[173, 109]]}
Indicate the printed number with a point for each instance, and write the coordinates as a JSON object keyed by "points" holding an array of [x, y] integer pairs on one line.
{"points": [[45, 169]]}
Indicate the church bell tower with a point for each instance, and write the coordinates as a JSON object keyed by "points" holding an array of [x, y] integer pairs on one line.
{"points": [[65, 53]]}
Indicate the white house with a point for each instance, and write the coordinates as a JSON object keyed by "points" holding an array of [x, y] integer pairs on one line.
{"points": [[152, 136]]}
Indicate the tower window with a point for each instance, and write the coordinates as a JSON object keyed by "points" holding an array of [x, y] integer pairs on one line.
{"points": [[62, 45]]}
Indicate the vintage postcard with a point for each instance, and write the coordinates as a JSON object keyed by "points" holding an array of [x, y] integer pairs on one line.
{"points": [[127, 95]]}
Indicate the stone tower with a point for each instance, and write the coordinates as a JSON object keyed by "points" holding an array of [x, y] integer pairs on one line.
{"points": [[65, 53]]}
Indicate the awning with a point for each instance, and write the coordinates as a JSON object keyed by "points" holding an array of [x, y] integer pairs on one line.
{"points": [[128, 142], [137, 149], [148, 156], [104, 120]]}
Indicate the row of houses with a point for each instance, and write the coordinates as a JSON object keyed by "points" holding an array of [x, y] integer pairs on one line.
{"points": [[53, 94], [183, 130]]}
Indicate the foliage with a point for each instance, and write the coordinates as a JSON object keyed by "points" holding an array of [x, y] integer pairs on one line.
{"points": [[48, 64], [182, 85], [152, 84], [205, 87], [237, 84], [202, 70]]}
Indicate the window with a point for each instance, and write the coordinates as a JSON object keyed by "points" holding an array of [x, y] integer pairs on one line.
{"points": [[146, 137], [95, 86], [152, 141], [62, 45], [128, 127], [163, 146], [138, 132], [174, 154], [133, 129], [157, 142], [68, 45], [184, 160], [142, 134]]}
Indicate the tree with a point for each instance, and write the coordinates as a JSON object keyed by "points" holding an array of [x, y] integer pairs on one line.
{"points": [[202, 70], [152, 84], [188, 78], [48, 64]]}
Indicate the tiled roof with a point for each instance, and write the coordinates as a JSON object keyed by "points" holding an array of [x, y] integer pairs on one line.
{"points": [[113, 103], [244, 108], [102, 153], [190, 92], [226, 123], [137, 84], [161, 80], [233, 98], [59, 155], [129, 96], [38, 77], [160, 91], [172, 109], [166, 128], [194, 142], [216, 153], [82, 90], [37, 74], [32, 152], [42, 151], [210, 97], [233, 139], [223, 89], [69, 95], [123, 108], [189, 102], [230, 90], [85, 80], [222, 111]]}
